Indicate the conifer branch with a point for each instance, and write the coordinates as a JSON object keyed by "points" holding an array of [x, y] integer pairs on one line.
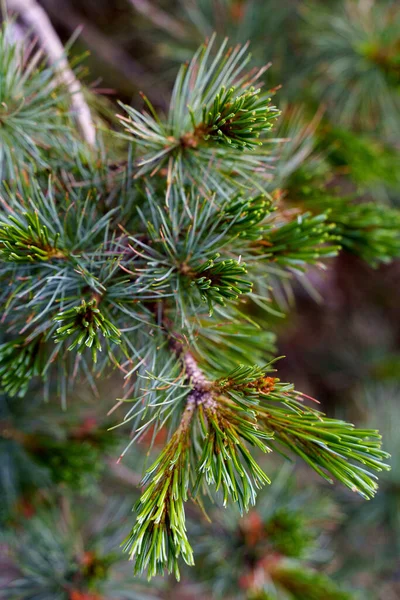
{"points": [[367, 229], [158, 537], [329, 446], [236, 121], [214, 103], [246, 217], [93, 264], [226, 425], [225, 462]]}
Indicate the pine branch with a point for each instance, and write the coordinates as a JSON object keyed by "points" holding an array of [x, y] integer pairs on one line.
{"points": [[327, 445], [245, 217], [225, 462], [92, 261], [248, 406], [213, 103], [158, 537], [236, 121]]}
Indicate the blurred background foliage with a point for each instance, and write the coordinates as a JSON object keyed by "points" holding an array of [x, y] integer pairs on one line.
{"points": [[335, 74]]}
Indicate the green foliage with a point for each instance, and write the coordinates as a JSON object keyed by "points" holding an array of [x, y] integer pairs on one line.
{"points": [[246, 216], [247, 407], [125, 254], [85, 323], [52, 254], [213, 103], [159, 537], [221, 280], [27, 240], [225, 461], [304, 240], [236, 121], [32, 116], [369, 230], [20, 362], [327, 445]]}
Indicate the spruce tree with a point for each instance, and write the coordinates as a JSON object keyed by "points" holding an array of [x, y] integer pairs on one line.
{"points": [[157, 252]]}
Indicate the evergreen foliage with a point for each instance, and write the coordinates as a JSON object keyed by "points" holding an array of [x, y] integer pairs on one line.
{"points": [[85, 322], [366, 229], [160, 260], [34, 120], [213, 103], [20, 362]]}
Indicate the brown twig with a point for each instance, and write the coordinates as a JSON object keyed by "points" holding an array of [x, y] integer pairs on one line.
{"points": [[201, 388], [36, 19]]}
